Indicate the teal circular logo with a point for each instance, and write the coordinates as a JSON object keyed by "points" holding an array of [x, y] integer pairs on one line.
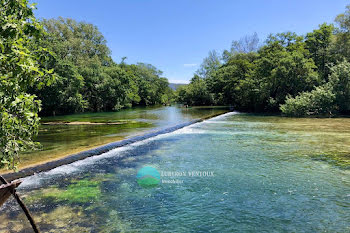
{"points": [[148, 177]]}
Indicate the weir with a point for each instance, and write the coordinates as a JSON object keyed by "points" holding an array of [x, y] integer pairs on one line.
{"points": [[96, 151]]}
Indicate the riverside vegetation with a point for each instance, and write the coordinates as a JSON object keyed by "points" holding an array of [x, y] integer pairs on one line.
{"points": [[296, 75]]}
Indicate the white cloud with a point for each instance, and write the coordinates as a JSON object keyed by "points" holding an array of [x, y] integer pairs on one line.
{"points": [[178, 81], [190, 65]]}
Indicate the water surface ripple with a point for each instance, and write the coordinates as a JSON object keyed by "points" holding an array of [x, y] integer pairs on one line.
{"points": [[265, 180]]}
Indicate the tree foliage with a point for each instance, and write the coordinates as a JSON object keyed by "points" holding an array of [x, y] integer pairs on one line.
{"points": [[246, 44], [209, 65], [20, 68], [196, 93], [319, 43], [87, 77], [297, 75], [340, 82]]}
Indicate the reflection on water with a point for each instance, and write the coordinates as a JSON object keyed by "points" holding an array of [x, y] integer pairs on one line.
{"points": [[58, 140], [267, 178]]}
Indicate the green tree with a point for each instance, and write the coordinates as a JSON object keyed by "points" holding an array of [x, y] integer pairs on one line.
{"points": [[88, 79], [122, 88], [319, 44], [77, 42], [246, 44], [284, 68], [20, 69], [229, 82], [297, 75], [342, 41], [64, 94], [195, 93], [151, 86], [340, 81], [83, 50], [209, 65]]}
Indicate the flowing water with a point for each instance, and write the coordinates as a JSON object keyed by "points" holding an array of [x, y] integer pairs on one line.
{"points": [[59, 140], [259, 174]]}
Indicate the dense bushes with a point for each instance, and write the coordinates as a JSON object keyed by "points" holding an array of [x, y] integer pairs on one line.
{"points": [[323, 100], [317, 102]]}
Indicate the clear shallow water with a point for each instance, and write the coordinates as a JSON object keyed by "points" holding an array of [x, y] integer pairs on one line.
{"points": [[267, 178], [59, 140]]}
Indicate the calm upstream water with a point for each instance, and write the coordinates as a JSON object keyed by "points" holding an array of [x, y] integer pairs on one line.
{"points": [[259, 174], [59, 140]]}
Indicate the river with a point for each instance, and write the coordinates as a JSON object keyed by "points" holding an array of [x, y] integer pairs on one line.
{"points": [[232, 173], [59, 140]]}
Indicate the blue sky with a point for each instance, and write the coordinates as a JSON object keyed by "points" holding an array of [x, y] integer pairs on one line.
{"points": [[175, 35]]}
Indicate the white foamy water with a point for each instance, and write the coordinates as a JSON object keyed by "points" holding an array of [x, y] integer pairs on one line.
{"points": [[222, 116], [36, 179]]}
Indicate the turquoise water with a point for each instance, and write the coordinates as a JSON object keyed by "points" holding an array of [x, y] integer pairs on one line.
{"points": [[260, 175]]}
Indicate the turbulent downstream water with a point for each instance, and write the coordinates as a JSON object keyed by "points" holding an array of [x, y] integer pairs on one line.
{"points": [[259, 174]]}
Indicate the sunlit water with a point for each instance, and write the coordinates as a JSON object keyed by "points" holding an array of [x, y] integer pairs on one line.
{"points": [[59, 140], [269, 176]]}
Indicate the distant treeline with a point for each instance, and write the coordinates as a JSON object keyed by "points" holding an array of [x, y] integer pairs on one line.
{"points": [[85, 76], [296, 75]]}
